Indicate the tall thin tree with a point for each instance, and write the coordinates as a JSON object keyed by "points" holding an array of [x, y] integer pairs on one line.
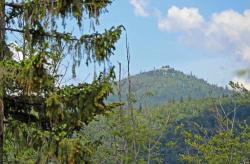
{"points": [[130, 103], [2, 45]]}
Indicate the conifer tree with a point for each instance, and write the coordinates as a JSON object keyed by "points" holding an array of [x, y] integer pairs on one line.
{"points": [[34, 103]]}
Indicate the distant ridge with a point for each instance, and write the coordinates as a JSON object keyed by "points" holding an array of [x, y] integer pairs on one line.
{"points": [[166, 84]]}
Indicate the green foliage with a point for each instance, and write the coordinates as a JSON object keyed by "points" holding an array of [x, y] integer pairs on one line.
{"points": [[159, 132], [230, 140], [223, 147], [116, 134], [25, 143], [204, 113]]}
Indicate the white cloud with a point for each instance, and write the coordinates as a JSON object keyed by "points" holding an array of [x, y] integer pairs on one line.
{"points": [[140, 7], [227, 31], [181, 19]]}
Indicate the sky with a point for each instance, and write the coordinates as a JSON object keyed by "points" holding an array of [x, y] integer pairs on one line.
{"points": [[209, 38]]}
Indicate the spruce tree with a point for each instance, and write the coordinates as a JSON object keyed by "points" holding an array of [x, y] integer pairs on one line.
{"points": [[37, 110]]}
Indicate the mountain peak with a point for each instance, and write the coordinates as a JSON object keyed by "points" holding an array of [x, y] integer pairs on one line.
{"points": [[167, 84]]}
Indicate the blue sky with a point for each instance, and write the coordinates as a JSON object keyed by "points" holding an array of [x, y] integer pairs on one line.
{"points": [[206, 37], [209, 38]]}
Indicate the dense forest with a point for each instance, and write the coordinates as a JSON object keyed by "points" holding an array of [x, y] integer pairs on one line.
{"points": [[160, 116]]}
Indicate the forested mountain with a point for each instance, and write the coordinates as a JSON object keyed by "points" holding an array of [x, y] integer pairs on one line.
{"points": [[165, 85]]}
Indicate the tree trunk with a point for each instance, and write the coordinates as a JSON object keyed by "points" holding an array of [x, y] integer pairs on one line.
{"points": [[149, 153], [119, 85], [2, 31], [2, 47], [130, 104]]}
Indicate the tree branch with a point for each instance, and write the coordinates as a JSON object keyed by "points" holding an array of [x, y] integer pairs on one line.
{"points": [[58, 35], [45, 34]]}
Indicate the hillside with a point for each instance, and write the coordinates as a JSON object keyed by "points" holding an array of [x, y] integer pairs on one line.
{"points": [[166, 84], [192, 116]]}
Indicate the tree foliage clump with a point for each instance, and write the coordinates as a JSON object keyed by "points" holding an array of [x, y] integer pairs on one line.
{"points": [[223, 147]]}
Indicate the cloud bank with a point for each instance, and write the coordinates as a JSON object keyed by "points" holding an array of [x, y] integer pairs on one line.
{"points": [[227, 31]]}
